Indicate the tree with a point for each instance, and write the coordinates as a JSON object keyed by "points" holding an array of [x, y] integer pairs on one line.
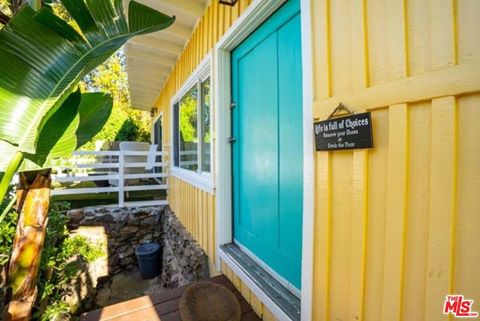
{"points": [[188, 117], [125, 123], [110, 77], [44, 116]]}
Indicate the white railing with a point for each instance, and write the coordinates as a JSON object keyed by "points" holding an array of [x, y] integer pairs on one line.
{"points": [[123, 170]]}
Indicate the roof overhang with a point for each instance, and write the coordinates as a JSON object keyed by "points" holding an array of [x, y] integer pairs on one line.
{"points": [[151, 58]]}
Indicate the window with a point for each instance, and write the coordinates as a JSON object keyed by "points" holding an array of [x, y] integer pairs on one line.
{"points": [[192, 137], [188, 133], [205, 117]]}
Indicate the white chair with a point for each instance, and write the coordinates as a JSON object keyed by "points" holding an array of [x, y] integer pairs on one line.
{"points": [[135, 147]]}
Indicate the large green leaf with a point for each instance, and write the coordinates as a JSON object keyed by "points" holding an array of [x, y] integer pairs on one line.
{"points": [[72, 125], [42, 59], [94, 112], [58, 138], [6, 152]]}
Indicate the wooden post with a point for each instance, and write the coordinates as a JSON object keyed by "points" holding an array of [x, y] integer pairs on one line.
{"points": [[121, 179], [33, 194]]}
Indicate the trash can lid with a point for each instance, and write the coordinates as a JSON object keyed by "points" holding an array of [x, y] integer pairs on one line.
{"points": [[147, 248]]}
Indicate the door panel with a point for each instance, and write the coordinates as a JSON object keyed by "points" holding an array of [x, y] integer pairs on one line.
{"points": [[268, 153], [257, 155], [290, 138]]}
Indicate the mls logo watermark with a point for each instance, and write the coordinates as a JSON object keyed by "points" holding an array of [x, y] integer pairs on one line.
{"points": [[459, 307]]}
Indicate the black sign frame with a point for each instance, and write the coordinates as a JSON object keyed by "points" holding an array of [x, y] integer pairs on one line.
{"points": [[344, 133]]}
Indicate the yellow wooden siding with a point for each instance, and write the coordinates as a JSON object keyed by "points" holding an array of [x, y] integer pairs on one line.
{"points": [[196, 211], [257, 306], [194, 207], [396, 227]]}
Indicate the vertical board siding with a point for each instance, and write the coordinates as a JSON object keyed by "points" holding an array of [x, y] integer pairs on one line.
{"points": [[359, 32], [358, 238], [468, 35], [195, 210], [379, 59], [341, 49], [260, 309], [340, 239], [467, 278], [442, 197], [396, 227], [375, 225], [416, 246], [321, 46], [321, 255], [194, 207]]}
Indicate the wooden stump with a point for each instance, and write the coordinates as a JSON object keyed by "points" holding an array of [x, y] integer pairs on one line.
{"points": [[33, 194]]}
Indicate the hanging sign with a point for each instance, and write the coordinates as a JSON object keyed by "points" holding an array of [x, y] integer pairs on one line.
{"points": [[348, 132]]}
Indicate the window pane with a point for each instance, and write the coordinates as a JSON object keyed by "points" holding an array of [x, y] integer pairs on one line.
{"points": [[206, 126], [188, 130]]}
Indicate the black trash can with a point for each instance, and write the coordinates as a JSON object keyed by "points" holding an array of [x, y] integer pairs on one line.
{"points": [[149, 260]]}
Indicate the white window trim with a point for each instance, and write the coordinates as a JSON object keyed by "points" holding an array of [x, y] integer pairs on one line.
{"points": [[251, 18], [201, 180]]}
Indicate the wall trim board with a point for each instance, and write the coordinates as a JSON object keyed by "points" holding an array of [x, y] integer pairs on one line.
{"points": [[259, 293], [451, 81], [252, 17], [200, 181], [308, 164]]}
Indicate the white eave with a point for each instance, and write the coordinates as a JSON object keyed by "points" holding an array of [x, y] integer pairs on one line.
{"points": [[151, 58]]}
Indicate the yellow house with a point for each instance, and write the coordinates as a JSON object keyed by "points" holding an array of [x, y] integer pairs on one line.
{"points": [[383, 233]]}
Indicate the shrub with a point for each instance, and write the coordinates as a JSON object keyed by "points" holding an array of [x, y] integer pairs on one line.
{"points": [[62, 256], [8, 225]]}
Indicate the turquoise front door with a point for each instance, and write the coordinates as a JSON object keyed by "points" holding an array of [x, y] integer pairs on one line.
{"points": [[268, 150]]}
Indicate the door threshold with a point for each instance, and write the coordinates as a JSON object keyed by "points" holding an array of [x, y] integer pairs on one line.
{"points": [[275, 296]]}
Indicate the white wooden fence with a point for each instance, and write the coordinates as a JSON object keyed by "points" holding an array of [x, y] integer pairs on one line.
{"points": [[123, 170]]}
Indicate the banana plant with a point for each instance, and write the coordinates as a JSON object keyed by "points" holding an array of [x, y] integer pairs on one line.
{"points": [[42, 114], [42, 59]]}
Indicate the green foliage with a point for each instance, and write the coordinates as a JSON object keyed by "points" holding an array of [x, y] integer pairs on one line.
{"points": [[56, 311], [79, 118], [8, 225], [92, 108], [7, 233], [188, 117], [43, 58], [131, 131], [125, 123], [206, 111], [62, 259]]}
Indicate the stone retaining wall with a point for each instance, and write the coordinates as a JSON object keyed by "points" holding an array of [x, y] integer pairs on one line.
{"points": [[183, 260], [124, 229]]}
